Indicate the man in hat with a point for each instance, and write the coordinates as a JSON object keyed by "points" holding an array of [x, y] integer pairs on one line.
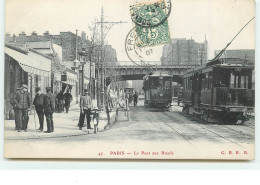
{"points": [[68, 99], [22, 102], [15, 108], [60, 98], [49, 108], [135, 96], [85, 108], [38, 104]]}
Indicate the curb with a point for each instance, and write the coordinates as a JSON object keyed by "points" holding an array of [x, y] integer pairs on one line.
{"points": [[48, 136], [106, 127]]}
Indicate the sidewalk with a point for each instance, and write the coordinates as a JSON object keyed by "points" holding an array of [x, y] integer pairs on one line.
{"points": [[65, 125]]}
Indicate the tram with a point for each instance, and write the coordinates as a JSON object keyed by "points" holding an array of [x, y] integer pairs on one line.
{"points": [[157, 88], [220, 90]]}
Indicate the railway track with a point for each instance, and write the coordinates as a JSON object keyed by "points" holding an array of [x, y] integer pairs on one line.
{"points": [[182, 119]]}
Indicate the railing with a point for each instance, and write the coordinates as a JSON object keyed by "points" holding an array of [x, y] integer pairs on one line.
{"points": [[183, 66]]}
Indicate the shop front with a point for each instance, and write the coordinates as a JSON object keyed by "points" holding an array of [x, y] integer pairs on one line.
{"points": [[24, 67]]}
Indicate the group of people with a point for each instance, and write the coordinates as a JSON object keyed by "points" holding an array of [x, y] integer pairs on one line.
{"points": [[63, 101], [44, 105], [132, 96]]}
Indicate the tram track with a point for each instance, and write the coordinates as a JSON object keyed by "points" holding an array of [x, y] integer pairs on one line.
{"points": [[179, 134], [181, 119], [238, 131]]}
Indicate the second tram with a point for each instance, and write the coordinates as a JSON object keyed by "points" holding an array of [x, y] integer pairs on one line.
{"points": [[220, 90], [157, 88]]}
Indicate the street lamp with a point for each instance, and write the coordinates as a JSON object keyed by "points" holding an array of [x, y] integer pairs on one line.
{"points": [[83, 54], [76, 66]]}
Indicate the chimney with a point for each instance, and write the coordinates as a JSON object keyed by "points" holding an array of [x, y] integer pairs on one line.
{"points": [[83, 35], [22, 34], [34, 33], [46, 33], [14, 38]]}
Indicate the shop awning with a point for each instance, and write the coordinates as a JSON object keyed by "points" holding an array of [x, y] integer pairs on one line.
{"points": [[31, 62]]}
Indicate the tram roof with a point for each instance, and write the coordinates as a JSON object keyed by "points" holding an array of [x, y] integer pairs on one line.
{"points": [[223, 62]]}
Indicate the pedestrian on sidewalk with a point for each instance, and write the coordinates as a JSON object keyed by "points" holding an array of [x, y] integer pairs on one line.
{"points": [[22, 102], [49, 108], [135, 98], [38, 105], [60, 99], [68, 98], [15, 108], [85, 109]]}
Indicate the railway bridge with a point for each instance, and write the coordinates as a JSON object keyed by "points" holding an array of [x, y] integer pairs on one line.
{"points": [[137, 72]]}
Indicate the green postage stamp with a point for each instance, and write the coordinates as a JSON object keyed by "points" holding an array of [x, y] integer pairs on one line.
{"points": [[151, 23]]}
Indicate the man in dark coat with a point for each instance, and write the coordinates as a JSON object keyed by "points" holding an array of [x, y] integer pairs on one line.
{"points": [[38, 104], [85, 109], [49, 108], [22, 102], [60, 98], [68, 99], [135, 96]]}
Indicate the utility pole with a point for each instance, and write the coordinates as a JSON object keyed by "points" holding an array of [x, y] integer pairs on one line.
{"points": [[178, 54], [102, 58], [75, 63], [102, 22]]}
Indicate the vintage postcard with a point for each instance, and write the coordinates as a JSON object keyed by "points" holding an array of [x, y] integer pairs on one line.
{"points": [[129, 79]]}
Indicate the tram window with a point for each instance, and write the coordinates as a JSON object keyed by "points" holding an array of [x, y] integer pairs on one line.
{"points": [[239, 81], [210, 80], [204, 81], [163, 83], [232, 80], [186, 83], [244, 82], [167, 84]]}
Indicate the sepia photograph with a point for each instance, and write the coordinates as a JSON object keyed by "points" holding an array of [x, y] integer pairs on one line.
{"points": [[129, 79]]}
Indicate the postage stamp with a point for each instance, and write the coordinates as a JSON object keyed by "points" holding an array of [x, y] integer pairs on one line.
{"points": [[151, 14], [151, 36], [151, 25]]}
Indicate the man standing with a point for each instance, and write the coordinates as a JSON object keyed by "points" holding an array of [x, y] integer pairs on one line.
{"points": [[85, 108], [60, 98], [49, 107], [22, 101], [38, 104], [68, 99], [135, 98]]}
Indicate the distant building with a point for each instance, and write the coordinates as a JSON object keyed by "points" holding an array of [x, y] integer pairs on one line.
{"points": [[110, 57], [185, 52], [248, 54]]}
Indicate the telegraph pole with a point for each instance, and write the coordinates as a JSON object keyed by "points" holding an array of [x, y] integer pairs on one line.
{"points": [[77, 84], [102, 58], [102, 22]]}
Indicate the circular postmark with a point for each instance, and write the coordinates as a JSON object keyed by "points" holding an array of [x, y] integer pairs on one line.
{"points": [[151, 14], [138, 55]]}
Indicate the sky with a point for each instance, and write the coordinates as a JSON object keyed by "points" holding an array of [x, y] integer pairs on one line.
{"points": [[218, 20]]}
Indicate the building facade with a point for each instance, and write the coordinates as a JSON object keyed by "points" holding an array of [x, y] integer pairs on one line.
{"points": [[184, 52]]}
